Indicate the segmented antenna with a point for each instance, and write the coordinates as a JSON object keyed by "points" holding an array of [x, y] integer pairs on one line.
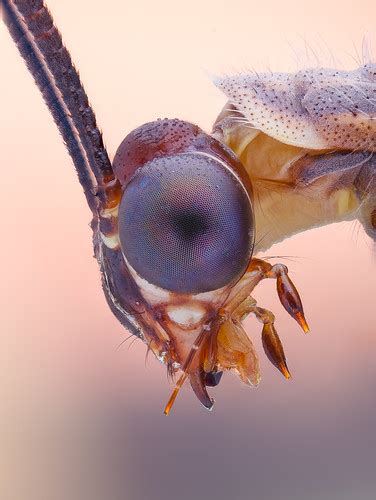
{"points": [[40, 44]]}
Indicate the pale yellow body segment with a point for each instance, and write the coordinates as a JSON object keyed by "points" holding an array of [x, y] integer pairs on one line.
{"points": [[282, 206]]}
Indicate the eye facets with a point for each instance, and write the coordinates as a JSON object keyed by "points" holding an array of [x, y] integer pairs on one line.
{"points": [[186, 224]]}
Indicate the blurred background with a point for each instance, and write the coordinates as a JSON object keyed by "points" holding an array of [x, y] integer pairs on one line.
{"points": [[81, 419]]}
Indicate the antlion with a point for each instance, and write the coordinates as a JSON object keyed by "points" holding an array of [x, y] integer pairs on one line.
{"points": [[180, 213]]}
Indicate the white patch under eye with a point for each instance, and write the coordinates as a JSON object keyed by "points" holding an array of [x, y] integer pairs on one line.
{"points": [[152, 293], [187, 316], [111, 241]]}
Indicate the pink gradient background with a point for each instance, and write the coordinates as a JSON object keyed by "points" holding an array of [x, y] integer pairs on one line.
{"points": [[79, 419]]}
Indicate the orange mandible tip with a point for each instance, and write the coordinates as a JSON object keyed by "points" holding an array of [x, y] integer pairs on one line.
{"points": [[299, 316]]}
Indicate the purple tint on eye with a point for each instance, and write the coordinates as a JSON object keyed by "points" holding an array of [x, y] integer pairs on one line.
{"points": [[186, 224]]}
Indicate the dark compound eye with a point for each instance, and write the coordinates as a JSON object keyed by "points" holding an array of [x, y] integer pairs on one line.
{"points": [[186, 223]]}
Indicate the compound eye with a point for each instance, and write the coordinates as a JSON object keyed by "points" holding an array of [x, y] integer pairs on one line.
{"points": [[186, 224]]}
